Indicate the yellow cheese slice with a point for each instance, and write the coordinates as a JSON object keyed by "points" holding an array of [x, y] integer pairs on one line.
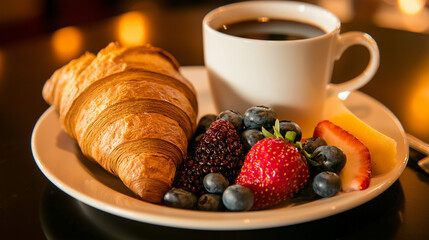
{"points": [[381, 147]]}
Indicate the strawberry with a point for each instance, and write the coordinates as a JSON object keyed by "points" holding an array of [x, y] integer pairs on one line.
{"points": [[275, 170], [356, 173]]}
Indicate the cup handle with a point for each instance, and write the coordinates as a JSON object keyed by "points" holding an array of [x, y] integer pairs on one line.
{"points": [[356, 38]]}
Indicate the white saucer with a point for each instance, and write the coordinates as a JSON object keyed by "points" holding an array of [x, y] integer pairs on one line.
{"points": [[59, 158]]}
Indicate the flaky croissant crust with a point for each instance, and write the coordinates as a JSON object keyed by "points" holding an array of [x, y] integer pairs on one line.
{"points": [[130, 110]]}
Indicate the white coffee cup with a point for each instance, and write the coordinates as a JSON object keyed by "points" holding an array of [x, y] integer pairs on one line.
{"points": [[291, 76]]}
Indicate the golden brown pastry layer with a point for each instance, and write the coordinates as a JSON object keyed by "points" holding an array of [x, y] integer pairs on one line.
{"points": [[130, 110]]}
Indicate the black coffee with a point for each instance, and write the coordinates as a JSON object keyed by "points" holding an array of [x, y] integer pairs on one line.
{"points": [[272, 29]]}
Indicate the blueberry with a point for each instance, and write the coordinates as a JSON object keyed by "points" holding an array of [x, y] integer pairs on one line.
{"points": [[204, 123], [215, 183], [179, 198], [238, 198], [330, 158], [326, 184], [250, 137], [210, 202], [259, 116], [310, 144], [233, 117], [286, 126]]}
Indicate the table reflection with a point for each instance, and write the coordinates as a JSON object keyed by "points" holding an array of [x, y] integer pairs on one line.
{"points": [[62, 217]]}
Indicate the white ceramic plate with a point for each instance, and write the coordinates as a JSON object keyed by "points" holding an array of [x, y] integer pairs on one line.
{"points": [[59, 158]]}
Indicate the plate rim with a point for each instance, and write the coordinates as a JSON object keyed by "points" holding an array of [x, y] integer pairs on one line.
{"points": [[230, 220]]}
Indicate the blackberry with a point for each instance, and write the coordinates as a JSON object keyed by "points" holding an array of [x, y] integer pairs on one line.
{"points": [[219, 151]]}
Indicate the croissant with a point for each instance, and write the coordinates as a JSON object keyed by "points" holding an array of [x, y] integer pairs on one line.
{"points": [[130, 110]]}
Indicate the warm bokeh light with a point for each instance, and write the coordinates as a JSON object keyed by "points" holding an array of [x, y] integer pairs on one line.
{"points": [[420, 112], [411, 7], [132, 28], [67, 43], [418, 107], [396, 17]]}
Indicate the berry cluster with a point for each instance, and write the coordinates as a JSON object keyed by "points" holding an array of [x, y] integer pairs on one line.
{"points": [[253, 161], [326, 161], [220, 196]]}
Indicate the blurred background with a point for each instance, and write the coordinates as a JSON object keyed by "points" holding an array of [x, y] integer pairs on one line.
{"points": [[68, 28], [22, 19], [137, 21]]}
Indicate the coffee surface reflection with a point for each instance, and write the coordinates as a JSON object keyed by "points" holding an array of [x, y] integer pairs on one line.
{"points": [[272, 29]]}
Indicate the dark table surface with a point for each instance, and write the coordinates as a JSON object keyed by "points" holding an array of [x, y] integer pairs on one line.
{"points": [[33, 208]]}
